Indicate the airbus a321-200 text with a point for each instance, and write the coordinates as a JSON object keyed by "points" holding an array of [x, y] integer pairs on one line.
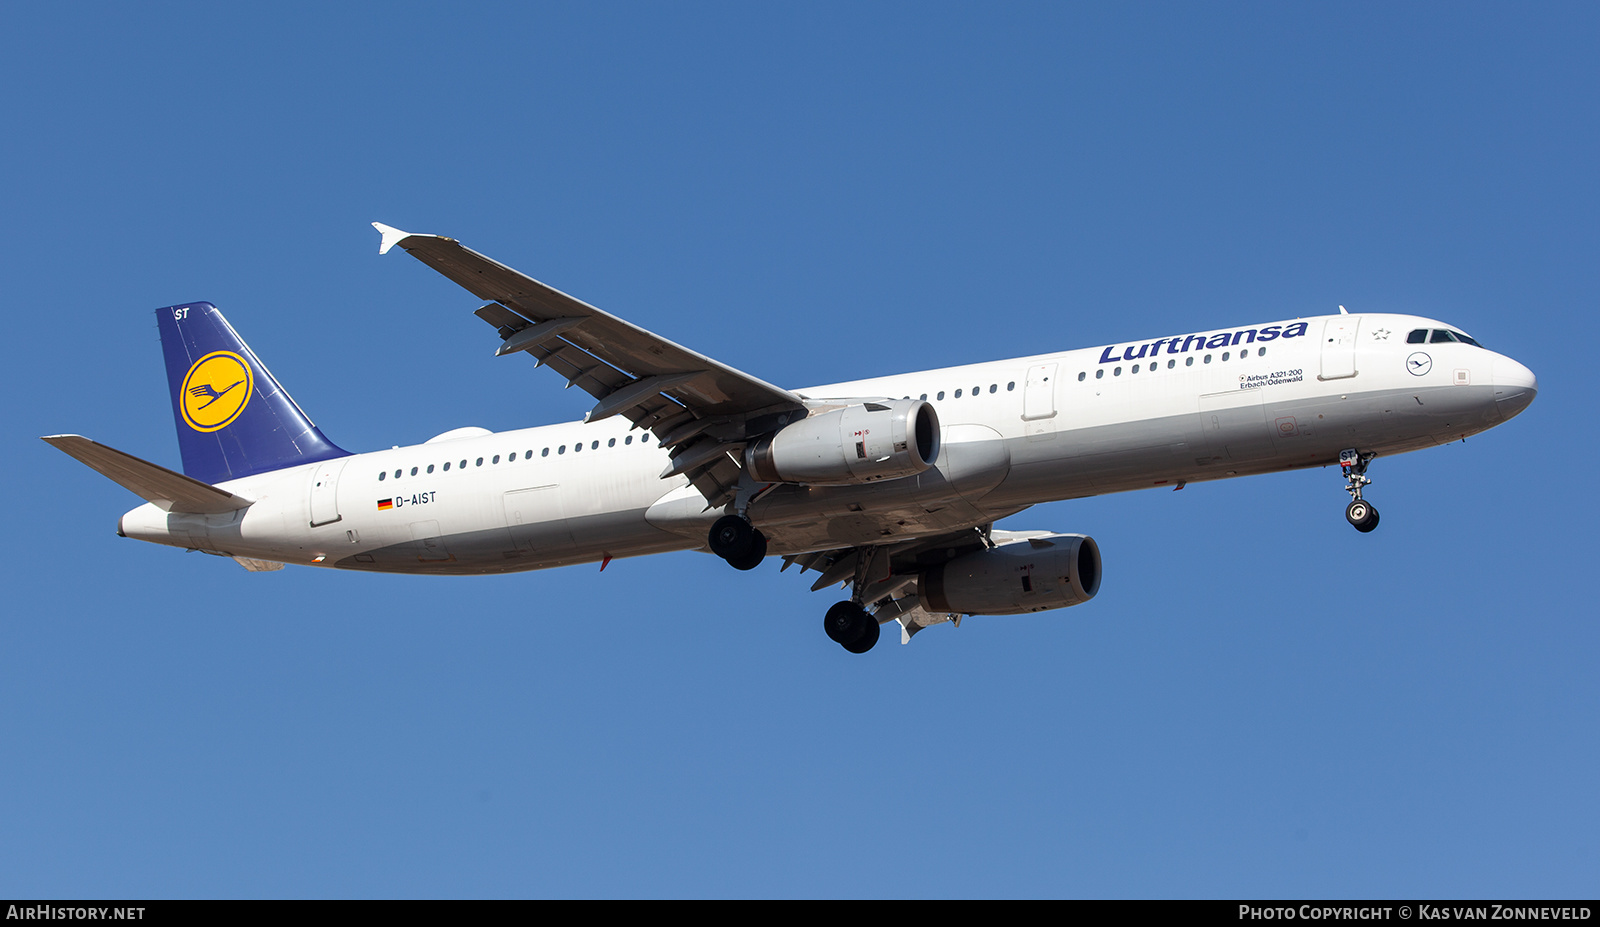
{"points": [[889, 486]]}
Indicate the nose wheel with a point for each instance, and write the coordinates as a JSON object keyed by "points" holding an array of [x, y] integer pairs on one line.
{"points": [[1359, 513], [737, 541]]}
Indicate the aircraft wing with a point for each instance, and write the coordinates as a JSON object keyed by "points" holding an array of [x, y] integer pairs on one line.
{"points": [[703, 411]]}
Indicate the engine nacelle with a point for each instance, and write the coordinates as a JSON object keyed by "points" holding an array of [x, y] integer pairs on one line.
{"points": [[1054, 571], [860, 443]]}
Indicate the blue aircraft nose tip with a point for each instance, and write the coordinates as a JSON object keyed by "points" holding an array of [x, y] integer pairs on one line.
{"points": [[1514, 386]]}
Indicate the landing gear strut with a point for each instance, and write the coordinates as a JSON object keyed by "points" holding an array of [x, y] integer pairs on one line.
{"points": [[737, 541], [1359, 513], [848, 623]]}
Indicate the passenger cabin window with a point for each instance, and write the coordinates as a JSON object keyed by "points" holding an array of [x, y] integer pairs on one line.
{"points": [[447, 466], [1081, 375], [413, 471], [383, 476], [1013, 385], [430, 468], [1100, 374]]}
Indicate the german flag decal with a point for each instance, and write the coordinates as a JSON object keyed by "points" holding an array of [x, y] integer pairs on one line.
{"points": [[385, 505]]}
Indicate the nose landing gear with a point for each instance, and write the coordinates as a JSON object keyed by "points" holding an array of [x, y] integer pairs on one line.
{"points": [[1359, 513], [1362, 515]]}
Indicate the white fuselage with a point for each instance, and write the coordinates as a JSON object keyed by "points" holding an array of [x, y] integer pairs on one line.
{"points": [[1014, 433]]}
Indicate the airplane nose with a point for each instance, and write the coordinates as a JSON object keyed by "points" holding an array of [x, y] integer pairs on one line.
{"points": [[1514, 386]]}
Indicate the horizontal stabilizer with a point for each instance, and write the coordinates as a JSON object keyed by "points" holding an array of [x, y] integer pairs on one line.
{"points": [[168, 490]]}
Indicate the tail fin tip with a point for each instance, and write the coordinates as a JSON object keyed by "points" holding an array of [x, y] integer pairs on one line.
{"points": [[234, 419]]}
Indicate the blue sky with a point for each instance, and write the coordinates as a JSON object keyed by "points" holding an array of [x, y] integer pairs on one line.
{"points": [[1261, 702]]}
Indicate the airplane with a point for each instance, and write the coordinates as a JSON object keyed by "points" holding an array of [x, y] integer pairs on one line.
{"points": [[890, 485]]}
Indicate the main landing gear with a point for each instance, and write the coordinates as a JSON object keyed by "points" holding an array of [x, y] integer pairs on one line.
{"points": [[1359, 513], [737, 541], [848, 623], [743, 545], [851, 627]]}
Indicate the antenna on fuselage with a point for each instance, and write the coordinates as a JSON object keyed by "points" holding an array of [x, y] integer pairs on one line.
{"points": [[1343, 311]]}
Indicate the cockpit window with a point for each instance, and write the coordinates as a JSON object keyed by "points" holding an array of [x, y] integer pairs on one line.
{"points": [[1439, 336]]}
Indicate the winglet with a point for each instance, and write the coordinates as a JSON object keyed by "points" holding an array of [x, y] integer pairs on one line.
{"points": [[391, 236]]}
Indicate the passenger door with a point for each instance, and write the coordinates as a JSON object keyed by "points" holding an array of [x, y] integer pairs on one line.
{"points": [[324, 502], [1339, 347]]}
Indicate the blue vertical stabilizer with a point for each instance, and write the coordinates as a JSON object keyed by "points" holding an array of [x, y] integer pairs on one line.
{"points": [[234, 419]]}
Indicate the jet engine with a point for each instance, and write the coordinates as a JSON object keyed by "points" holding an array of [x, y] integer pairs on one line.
{"points": [[860, 443], [1053, 571]]}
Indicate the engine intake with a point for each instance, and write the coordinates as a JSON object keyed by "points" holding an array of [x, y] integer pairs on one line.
{"points": [[860, 443], [1054, 571]]}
